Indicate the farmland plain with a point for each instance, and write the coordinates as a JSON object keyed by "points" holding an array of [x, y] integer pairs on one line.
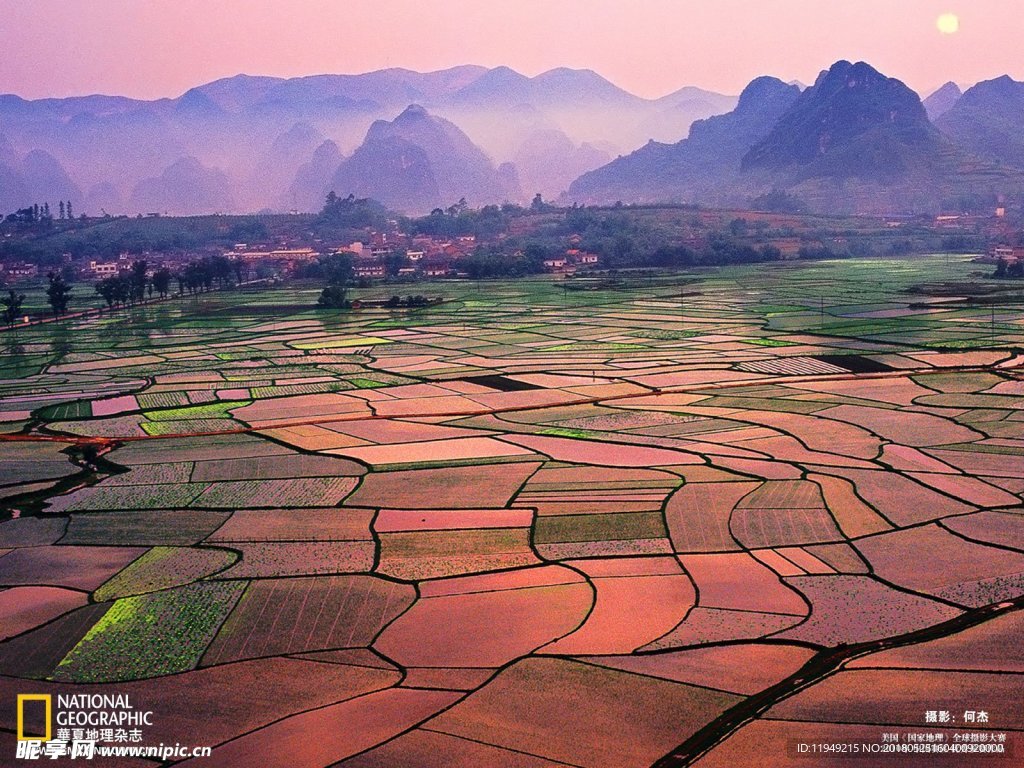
{"points": [[679, 518]]}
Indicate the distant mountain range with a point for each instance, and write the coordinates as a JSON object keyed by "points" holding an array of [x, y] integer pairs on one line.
{"points": [[418, 162], [699, 167], [855, 141], [249, 143], [988, 120]]}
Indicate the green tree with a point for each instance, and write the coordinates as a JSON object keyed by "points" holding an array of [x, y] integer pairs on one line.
{"points": [[221, 270], [162, 281], [107, 288], [337, 269], [394, 261], [350, 213], [458, 208], [333, 297], [138, 280], [58, 294], [198, 276], [116, 290], [12, 303]]}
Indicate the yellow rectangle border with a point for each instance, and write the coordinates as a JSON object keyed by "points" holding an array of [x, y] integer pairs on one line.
{"points": [[47, 699]]}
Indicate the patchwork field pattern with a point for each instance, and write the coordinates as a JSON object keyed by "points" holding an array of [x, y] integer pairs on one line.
{"points": [[530, 525]]}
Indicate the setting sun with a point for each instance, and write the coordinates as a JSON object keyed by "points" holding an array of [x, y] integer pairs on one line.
{"points": [[948, 23]]}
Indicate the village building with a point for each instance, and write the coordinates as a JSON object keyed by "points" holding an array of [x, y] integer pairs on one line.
{"points": [[286, 254], [104, 269], [1011, 254], [20, 269], [370, 270]]}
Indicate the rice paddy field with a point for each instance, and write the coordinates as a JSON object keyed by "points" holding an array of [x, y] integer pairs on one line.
{"points": [[675, 520]]}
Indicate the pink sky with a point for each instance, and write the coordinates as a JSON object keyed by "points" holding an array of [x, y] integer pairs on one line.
{"points": [[153, 48]]}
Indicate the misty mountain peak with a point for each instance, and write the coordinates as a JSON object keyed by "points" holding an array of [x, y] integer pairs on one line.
{"points": [[326, 152], [696, 166], [1003, 82], [302, 136], [859, 76], [196, 103], [986, 120], [848, 104], [942, 100], [573, 77], [1003, 89], [8, 155], [500, 83], [186, 187], [414, 112], [765, 89], [947, 88], [419, 161]]}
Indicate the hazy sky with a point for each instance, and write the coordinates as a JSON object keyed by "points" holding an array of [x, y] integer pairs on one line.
{"points": [[153, 48]]}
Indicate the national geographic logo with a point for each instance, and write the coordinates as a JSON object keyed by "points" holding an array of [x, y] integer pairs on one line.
{"points": [[35, 716]]}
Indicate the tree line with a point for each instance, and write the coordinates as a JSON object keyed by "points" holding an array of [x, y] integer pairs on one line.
{"points": [[40, 214], [133, 285]]}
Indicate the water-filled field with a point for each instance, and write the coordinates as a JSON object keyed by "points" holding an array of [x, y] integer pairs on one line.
{"points": [[539, 524]]}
